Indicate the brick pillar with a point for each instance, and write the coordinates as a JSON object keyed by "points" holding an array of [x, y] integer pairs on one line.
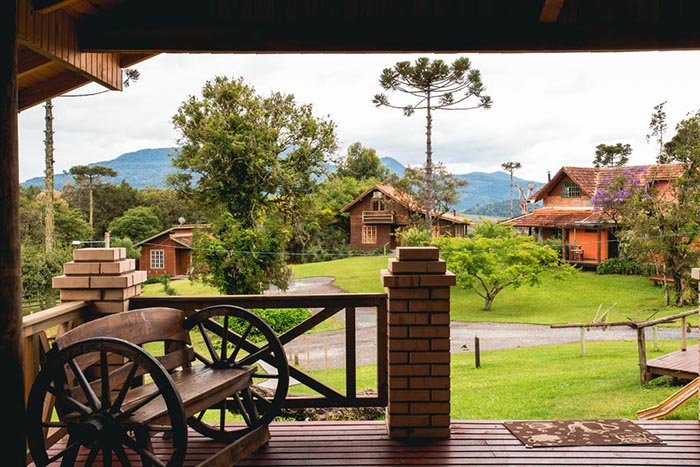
{"points": [[418, 287], [103, 276]]}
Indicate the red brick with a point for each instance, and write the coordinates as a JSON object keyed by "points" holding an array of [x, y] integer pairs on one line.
{"points": [[112, 282], [429, 305], [409, 420], [398, 408], [408, 344], [437, 280], [398, 332], [99, 254], [409, 370], [71, 282], [397, 433], [430, 357], [418, 253], [416, 293], [430, 408], [431, 382], [440, 293], [80, 294], [440, 318], [440, 395], [440, 370], [389, 280], [409, 395], [429, 331], [409, 318], [398, 358], [110, 307], [85, 269], [407, 267], [118, 267], [440, 344], [436, 267]]}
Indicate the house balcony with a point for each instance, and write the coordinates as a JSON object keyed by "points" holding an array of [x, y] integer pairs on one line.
{"points": [[377, 217]]}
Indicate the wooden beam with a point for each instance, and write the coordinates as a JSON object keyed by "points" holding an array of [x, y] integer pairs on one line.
{"points": [[37, 93], [54, 35], [28, 61], [550, 11], [47, 6], [12, 443]]}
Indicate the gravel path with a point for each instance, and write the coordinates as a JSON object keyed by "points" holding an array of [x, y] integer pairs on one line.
{"points": [[327, 349]]}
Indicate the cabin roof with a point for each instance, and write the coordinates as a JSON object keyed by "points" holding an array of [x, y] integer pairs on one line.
{"points": [[182, 234], [591, 178], [556, 217]]}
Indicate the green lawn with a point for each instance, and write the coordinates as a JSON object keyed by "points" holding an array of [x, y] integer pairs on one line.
{"points": [[548, 382], [574, 299], [181, 286]]}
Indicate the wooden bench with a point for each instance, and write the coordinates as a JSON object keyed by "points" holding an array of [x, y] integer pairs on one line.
{"points": [[656, 280], [113, 390]]}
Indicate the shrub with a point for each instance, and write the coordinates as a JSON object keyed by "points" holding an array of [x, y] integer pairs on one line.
{"points": [[413, 236], [280, 320], [156, 279], [625, 266], [554, 244], [167, 288]]}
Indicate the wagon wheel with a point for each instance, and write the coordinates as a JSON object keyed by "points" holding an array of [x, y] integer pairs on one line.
{"points": [[97, 414], [234, 337]]}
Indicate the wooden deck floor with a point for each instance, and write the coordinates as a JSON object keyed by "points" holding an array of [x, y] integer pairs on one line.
{"points": [[681, 364], [472, 443]]}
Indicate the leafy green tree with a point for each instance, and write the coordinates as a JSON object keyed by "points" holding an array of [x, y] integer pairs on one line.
{"points": [[253, 161], [38, 268], [413, 235], [362, 163], [110, 202], [70, 225], [684, 145], [137, 224], [89, 178], [132, 252], [612, 155], [442, 193], [495, 259], [170, 206], [433, 85]]}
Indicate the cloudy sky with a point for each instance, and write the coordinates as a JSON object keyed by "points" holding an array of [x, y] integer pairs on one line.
{"points": [[549, 109]]}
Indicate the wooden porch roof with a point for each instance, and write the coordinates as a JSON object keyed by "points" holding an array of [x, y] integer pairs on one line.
{"points": [[64, 44], [558, 218]]}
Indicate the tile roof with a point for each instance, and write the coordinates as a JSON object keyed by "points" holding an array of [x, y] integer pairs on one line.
{"points": [[591, 178], [555, 217]]}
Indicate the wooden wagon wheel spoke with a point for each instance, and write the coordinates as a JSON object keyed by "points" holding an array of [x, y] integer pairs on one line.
{"points": [[202, 358], [136, 406], [54, 424], [255, 356], [129, 442], [107, 456], [68, 400], [224, 340], [117, 405], [74, 446], [105, 396], [92, 455], [121, 455], [244, 413], [90, 395], [207, 341], [242, 339], [265, 376], [252, 409]]}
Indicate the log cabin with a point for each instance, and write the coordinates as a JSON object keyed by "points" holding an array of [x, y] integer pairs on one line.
{"points": [[378, 212], [169, 252], [587, 235]]}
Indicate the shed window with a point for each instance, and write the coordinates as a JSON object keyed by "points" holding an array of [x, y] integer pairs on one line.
{"points": [[378, 205], [157, 259], [571, 190], [369, 234]]}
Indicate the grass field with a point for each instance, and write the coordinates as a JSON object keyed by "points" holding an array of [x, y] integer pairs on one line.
{"points": [[574, 299], [549, 382]]}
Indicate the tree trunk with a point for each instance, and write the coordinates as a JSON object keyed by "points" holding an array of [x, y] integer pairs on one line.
{"points": [[91, 208], [488, 302], [49, 235], [12, 443], [428, 202], [511, 192]]}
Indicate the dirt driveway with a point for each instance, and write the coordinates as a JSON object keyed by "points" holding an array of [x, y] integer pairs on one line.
{"points": [[327, 349]]}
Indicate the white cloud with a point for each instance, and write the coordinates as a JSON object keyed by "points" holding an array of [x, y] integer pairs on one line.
{"points": [[549, 109]]}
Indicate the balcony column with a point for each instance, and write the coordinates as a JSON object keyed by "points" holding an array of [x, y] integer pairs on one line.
{"points": [[418, 288]]}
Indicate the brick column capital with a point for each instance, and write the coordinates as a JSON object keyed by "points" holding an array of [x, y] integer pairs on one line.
{"points": [[418, 288]]}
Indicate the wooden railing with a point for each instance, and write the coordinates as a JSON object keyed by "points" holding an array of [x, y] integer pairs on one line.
{"points": [[377, 217], [329, 305]]}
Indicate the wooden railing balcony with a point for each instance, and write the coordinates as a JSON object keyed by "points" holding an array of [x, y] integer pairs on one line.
{"points": [[377, 217]]}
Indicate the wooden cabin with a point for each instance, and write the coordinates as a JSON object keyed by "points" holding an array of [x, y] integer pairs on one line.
{"points": [[378, 212], [169, 252], [567, 213]]}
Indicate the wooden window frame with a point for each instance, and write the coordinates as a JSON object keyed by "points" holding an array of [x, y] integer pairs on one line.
{"points": [[570, 190], [369, 234], [378, 205], [151, 258]]}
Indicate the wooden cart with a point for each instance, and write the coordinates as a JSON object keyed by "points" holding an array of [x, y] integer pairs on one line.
{"points": [[113, 389]]}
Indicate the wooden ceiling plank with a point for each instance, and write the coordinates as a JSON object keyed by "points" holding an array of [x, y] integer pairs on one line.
{"points": [[28, 61], [551, 10], [55, 86], [54, 35], [48, 6]]}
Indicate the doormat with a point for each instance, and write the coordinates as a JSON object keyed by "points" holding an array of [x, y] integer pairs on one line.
{"points": [[539, 433]]}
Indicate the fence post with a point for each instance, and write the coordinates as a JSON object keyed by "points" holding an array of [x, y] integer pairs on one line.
{"points": [[418, 289]]}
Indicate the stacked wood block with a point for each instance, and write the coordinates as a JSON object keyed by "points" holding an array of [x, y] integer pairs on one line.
{"points": [[103, 276], [418, 287]]}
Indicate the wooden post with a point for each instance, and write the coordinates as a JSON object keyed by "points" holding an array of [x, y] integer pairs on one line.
{"points": [[477, 352], [655, 338], [563, 244], [600, 240], [684, 334], [12, 445], [583, 341], [642, 350]]}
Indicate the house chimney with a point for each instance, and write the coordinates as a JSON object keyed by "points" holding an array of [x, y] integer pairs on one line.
{"points": [[549, 176]]}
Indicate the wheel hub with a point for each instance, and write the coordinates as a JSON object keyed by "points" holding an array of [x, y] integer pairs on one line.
{"points": [[99, 429]]}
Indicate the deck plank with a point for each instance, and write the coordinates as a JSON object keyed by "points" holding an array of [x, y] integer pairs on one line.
{"points": [[479, 442], [682, 364]]}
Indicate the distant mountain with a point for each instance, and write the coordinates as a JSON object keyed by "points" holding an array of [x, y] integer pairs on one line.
{"points": [[143, 168], [484, 194]]}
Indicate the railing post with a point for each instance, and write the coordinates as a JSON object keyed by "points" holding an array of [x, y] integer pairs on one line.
{"points": [[418, 288], [103, 276]]}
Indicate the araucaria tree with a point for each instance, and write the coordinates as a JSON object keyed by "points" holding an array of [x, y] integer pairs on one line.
{"points": [[511, 167], [657, 131], [251, 160], [612, 155], [495, 258], [431, 86], [89, 178]]}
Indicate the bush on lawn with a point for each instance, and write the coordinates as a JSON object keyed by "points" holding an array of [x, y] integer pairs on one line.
{"points": [[625, 267]]}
